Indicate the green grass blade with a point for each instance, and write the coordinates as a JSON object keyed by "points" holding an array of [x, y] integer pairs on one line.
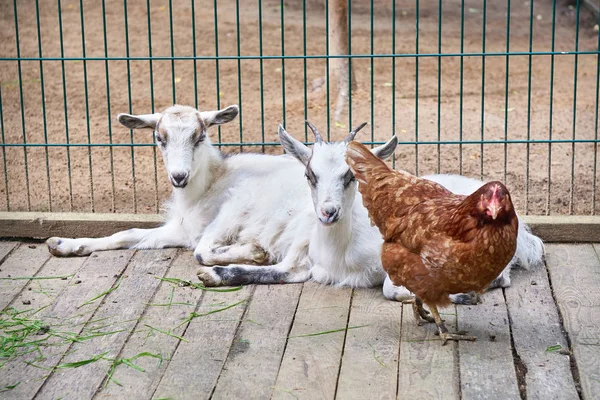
{"points": [[112, 289]]}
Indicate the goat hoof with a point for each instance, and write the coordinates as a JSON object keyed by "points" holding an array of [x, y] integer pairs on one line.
{"points": [[208, 277], [468, 299], [53, 246]]}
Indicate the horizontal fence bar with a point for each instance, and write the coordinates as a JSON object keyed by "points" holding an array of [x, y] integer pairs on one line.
{"points": [[314, 57], [421, 142]]}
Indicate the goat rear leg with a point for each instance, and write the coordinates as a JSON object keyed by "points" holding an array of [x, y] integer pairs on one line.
{"points": [[156, 238], [215, 254]]}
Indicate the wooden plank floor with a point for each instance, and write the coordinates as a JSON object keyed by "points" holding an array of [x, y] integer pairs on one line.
{"points": [[115, 325]]}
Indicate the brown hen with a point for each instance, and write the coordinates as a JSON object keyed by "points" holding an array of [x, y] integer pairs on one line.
{"points": [[436, 243]]}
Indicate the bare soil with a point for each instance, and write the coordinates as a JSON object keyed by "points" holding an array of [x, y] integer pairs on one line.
{"points": [[559, 179]]}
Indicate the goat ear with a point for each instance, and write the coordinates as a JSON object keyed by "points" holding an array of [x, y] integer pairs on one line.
{"points": [[220, 117], [294, 147], [139, 121], [386, 150]]}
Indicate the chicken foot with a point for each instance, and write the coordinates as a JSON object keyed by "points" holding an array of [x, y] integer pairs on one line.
{"points": [[420, 313], [444, 334]]}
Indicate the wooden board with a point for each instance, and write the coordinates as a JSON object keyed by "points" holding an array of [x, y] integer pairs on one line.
{"points": [[96, 275], [565, 228], [25, 261], [141, 385], [575, 276], [253, 362], [36, 295], [5, 249], [555, 228], [487, 370], [120, 310], [535, 328], [424, 362], [369, 363], [44, 225], [195, 367], [310, 365]]}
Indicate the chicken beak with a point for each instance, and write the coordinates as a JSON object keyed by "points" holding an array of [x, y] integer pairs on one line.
{"points": [[494, 207]]}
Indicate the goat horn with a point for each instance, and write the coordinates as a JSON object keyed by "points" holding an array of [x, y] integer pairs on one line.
{"points": [[353, 132], [318, 138]]}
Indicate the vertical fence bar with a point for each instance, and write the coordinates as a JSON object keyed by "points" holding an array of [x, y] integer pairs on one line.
{"points": [[372, 79], [130, 106], [152, 107], [43, 95], [239, 69], [64, 83], [328, 96], [483, 31], [262, 85], [173, 83], [551, 106], [304, 70], [417, 87], [576, 63], [110, 138], [216, 22], [282, 10], [596, 123], [87, 106], [439, 93], [4, 153], [528, 146], [23, 106], [461, 89], [506, 93], [195, 54], [394, 75], [349, 7]]}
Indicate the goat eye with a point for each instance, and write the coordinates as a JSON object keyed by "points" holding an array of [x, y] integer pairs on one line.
{"points": [[312, 179], [159, 140], [349, 178], [200, 139]]}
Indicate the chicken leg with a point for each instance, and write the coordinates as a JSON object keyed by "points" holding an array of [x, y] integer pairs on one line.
{"points": [[444, 334], [420, 313]]}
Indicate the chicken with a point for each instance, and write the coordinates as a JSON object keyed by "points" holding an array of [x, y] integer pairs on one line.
{"points": [[436, 243]]}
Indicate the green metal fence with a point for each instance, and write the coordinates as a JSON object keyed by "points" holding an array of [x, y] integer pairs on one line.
{"points": [[497, 90]]}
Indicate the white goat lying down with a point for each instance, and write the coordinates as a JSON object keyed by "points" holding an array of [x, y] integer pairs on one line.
{"points": [[209, 191], [340, 246]]}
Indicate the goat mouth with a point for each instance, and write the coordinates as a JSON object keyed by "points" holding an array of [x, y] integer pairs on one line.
{"points": [[179, 185], [329, 221]]}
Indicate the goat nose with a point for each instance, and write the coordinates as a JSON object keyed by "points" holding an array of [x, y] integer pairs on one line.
{"points": [[328, 211], [179, 177]]}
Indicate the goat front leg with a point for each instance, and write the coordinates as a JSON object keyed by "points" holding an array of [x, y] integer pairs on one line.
{"points": [[156, 238], [233, 275]]}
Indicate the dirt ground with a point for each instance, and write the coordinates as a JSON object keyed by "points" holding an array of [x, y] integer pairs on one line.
{"points": [[540, 176]]}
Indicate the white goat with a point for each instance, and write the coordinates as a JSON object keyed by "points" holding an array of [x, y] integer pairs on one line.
{"points": [[208, 188], [343, 249]]}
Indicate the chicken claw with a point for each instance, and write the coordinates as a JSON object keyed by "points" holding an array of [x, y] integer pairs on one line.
{"points": [[444, 334], [454, 336]]}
